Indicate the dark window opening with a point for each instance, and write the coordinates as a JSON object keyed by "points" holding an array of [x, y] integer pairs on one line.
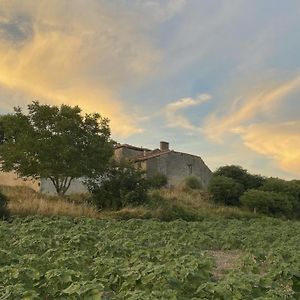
{"points": [[190, 166]]}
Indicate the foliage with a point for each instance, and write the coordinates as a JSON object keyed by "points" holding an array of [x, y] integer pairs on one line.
{"points": [[53, 142], [170, 209], [61, 258], [277, 185], [271, 203], [240, 175], [3, 206], [121, 185], [157, 181], [225, 190], [193, 183]]}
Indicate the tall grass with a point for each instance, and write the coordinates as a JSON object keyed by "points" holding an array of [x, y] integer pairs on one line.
{"points": [[24, 201], [178, 203], [163, 204]]}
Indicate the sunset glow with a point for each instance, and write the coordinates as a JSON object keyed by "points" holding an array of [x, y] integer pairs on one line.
{"points": [[216, 79]]}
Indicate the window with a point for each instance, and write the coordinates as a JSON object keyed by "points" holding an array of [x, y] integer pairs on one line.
{"points": [[190, 166]]}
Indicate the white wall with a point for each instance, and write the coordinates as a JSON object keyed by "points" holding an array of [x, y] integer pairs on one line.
{"points": [[76, 187]]}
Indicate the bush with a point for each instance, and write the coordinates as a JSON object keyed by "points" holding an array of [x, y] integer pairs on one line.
{"points": [[157, 181], [270, 203], [3, 207], [240, 175], [120, 186], [277, 185], [193, 183], [170, 209], [225, 190]]}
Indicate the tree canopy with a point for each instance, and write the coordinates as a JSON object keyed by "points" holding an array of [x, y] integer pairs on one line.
{"points": [[57, 143], [240, 175]]}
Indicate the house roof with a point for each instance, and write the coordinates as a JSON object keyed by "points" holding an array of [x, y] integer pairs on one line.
{"points": [[149, 154], [152, 154], [157, 152], [131, 147]]}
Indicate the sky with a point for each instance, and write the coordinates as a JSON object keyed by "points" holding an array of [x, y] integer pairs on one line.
{"points": [[215, 78]]}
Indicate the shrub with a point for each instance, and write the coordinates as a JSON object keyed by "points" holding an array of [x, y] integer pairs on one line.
{"points": [[120, 186], [225, 190], [270, 203], [3, 206], [169, 209], [193, 183], [277, 185], [240, 175], [157, 181]]}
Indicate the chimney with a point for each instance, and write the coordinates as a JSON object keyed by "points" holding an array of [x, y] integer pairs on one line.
{"points": [[164, 146]]}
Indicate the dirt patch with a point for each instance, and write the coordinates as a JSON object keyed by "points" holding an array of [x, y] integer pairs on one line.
{"points": [[225, 260]]}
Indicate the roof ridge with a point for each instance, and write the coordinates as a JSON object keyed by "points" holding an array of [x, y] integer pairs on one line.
{"points": [[140, 158]]}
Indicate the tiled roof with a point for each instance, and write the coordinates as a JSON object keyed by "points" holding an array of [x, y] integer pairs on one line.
{"points": [[152, 154], [131, 147]]}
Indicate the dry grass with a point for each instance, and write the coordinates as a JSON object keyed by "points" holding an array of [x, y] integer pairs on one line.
{"points": [[178, 203], [166, 205], [199, 202], [225, 261], [24, 201]]}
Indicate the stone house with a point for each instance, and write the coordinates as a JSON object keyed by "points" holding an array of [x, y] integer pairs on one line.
{"points": [[175, 165]]}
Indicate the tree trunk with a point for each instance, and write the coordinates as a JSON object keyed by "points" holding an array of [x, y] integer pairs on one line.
{"points": [[61, 184]]}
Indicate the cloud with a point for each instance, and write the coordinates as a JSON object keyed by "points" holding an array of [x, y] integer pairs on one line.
{"points": [[79, 54], [156, 10], [281, 142], [256, 119], [174, 115], [245, 108]]}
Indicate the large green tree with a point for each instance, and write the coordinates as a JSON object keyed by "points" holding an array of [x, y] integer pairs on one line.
{"points": [[57, 143]]}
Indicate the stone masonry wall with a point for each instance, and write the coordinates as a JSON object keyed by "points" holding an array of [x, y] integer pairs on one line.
{"points": [[177, 166]]}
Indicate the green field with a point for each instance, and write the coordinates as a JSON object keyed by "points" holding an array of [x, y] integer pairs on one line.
{"points": [[64, 258]]}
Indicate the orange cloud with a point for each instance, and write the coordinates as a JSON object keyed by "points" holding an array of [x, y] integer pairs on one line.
{"points": [[246, 108], [59, 57], [281, 142]]}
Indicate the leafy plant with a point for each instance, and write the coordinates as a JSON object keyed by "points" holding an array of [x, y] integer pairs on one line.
{"points": [[64, 258]]}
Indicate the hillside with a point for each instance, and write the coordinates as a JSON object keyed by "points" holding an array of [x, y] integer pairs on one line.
{"points": [[163, 204]]}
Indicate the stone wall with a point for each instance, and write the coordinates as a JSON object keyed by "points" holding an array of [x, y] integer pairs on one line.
{"points": [[177, 166], [126, 153]]}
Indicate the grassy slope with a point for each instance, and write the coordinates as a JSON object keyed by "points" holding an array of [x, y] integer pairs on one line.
{"points": [[165, 205], [24, 201]]}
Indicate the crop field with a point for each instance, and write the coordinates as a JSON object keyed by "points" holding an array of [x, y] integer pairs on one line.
{"points": [[64, 258]]}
